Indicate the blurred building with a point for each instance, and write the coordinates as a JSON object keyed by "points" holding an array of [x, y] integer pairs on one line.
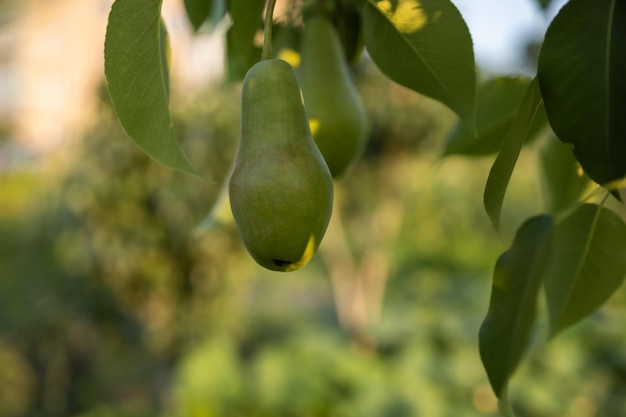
{"points": [[51, 66]]}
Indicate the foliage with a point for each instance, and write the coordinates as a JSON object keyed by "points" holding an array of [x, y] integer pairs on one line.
{"points": [[588, 62], [575, 252], [110, 307]]}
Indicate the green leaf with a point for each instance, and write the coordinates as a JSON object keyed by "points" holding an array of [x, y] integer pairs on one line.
{"points": [[581, 73], [241, 51], [588, 264], [517, 277], [503, 166], [199, 11], [164, 39], [563, 181], [424, 45], [285, 43], [137, 76], [349, 25], [497, 102]]}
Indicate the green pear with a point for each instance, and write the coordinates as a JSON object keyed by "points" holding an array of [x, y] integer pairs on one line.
{"points": [[336, 113], [281, 191]]}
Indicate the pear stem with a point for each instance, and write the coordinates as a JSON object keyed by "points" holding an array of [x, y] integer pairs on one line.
{"points": [[267, 30]]}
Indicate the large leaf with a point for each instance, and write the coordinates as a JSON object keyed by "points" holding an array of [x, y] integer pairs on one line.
{"points": [[199, 11], [424, 45], [497, 102], [581, 73], [503, 166], [241, 51], [563, 181], [166, 56], [517, 279], [137, 76], [588, 264]]}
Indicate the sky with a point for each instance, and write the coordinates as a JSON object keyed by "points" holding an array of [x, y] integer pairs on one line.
{"points": [[498, 28]]}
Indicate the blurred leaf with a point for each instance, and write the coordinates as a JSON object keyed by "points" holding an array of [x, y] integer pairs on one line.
{"points": [[563, 180], [497, 102], [199, 11], [220, 214], [544, 3], [208, 379], [581, 73], [138, 79], [425, 46], [349, 26], [504, 164], [242, 53], [588, 264], [285, 44], [517, 278]]}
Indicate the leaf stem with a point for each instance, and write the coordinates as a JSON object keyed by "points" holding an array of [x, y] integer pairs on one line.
{"points": [[267, 30], [320, 6], [504, 404]]}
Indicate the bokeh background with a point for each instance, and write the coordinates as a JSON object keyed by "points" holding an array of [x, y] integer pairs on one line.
{"points": [[113, 302]]}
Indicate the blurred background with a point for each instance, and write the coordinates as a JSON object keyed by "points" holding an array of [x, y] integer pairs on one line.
{"points": [[112, 303]]}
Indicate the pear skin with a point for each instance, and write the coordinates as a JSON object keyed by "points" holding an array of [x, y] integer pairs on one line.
{"points": [[336, 113], [281, 190]]}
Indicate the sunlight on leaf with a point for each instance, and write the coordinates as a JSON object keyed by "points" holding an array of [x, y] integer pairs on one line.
{"points": [[408, 16], [517, 278], [425, 46], [314, 125], [587, 265], [617, 188], [290, 56]]}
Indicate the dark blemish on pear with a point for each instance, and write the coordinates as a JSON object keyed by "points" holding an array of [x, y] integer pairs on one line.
{"points": [[279, 262]]}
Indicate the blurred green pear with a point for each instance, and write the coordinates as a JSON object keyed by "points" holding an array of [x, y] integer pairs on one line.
{"points": [[281, 191], [336, 113]]}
